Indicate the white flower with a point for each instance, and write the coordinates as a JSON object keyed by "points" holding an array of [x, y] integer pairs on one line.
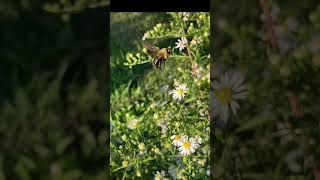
{"points": [[196, 71], [175, 172], [163, 123], [285, 40], [195, 41], [145, 36], [164, 129], [179, 92], [181, 44], [202, 162], [198, 139], [177, 140], [292, 160], [225, 93], [188, 146], [133, 124], [159, 176], [142, 146], [185, 16]]}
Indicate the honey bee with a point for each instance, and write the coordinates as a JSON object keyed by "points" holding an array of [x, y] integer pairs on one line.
{"points": [[159, 55]]}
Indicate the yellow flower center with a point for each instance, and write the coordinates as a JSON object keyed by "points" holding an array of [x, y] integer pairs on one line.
{"points": [[186, 144], [180, 91], [134, 124], [177, 138], [125, 163], [224, 95], [158, 177]]}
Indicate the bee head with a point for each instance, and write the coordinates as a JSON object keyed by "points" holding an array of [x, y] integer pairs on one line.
{"points": [[169, 50]]}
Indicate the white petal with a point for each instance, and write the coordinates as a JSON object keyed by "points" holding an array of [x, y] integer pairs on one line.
{"points": [[217, 85], [224, 114], [234, 106], [241, 95], [239, 89]]}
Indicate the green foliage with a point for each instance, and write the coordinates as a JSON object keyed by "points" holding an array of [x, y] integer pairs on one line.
{"points": [[196, 29], [52, 125], [68, 7], [145, 114], [49, 135]]}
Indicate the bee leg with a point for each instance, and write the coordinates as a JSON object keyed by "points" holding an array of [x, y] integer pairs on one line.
{"points": [[156, 64]]}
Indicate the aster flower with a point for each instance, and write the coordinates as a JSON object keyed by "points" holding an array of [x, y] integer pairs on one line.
{"points": [[196, 71], [198, 139], [133, 124], [202, 162], [177, 140], [163, 123], [142, 146], [125, 163], [293, 158], [194, 41], [175, 172], [164, 129], [188, 146], [225, 93], [179, 92], [159, 175], [181, 44], [285, 40], [185, 16]]}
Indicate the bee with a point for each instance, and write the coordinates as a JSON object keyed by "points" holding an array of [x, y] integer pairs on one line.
{"points": [[159, 55]]}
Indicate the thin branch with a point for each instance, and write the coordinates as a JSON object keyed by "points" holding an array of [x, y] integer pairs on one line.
{"points": [[164, 36], [292, 97], [295, 105], [269, 24]]}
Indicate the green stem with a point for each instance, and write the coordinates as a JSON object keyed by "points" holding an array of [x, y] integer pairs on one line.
{"points": [[124, 175], [164, 36], [187, 45], [144, 161]]}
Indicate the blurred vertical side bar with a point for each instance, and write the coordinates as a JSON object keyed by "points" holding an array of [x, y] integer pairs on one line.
{"points": [[212, 137], [107, 91]]}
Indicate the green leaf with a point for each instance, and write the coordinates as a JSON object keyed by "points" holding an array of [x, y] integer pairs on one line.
{"points": [[255, 122], [2, 173], [63, 144]]}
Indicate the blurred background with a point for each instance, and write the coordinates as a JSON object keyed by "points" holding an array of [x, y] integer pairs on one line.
{"points": [[272, 132], [53, 76], [126, 32]]}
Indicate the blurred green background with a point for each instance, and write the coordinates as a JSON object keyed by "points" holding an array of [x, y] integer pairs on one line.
{"points": [[52, 91], [126, 32]]}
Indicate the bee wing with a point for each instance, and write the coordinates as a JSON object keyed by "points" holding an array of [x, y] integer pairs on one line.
{"points": [[151, 48]]}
